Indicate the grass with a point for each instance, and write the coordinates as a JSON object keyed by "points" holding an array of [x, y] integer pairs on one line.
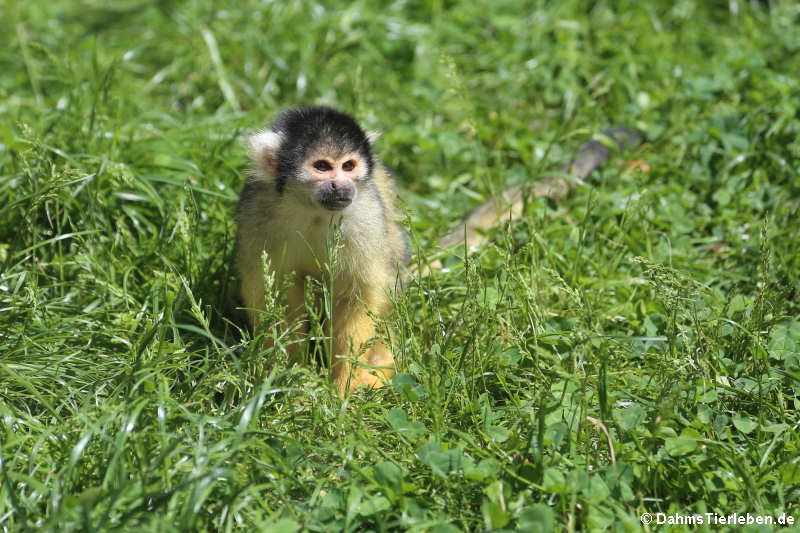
{"points": [[633, 349]]}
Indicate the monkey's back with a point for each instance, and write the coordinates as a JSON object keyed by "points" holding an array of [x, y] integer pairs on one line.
{"points": [[397, 239]]}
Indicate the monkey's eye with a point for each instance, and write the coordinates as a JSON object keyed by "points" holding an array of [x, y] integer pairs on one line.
{"points": [[348, 165], [322, 166]]}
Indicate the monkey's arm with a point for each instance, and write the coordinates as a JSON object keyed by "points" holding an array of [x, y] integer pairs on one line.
{"points": [[508, 206]]}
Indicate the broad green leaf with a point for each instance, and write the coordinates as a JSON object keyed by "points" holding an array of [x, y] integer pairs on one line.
{"points": [[681, 445], [537, 518], [630, 417], [743, 423]]}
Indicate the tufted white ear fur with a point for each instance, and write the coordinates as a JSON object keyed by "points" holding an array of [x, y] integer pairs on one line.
{"points": [[373, 135], [263, 147]]}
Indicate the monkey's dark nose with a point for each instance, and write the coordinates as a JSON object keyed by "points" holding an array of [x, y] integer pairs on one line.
{"points": [[336, 194]]}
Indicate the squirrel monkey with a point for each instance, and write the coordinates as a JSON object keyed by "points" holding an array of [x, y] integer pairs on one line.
{"points": [[314, 170]]}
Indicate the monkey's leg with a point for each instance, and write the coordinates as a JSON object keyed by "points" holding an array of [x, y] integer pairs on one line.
{"points": [[353, 328]]}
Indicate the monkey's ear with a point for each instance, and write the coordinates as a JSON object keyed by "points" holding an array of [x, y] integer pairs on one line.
{"points": [[263, 147], [373, 136]]}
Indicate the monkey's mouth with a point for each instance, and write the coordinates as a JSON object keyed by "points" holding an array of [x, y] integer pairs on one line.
{"points": [[336, 204], [336, 201]]}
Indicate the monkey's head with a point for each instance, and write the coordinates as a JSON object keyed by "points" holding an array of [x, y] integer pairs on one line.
{"points": [[317, 154]]}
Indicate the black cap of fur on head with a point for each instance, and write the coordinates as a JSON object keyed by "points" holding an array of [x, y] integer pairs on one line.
{"points": [[305, 129]]}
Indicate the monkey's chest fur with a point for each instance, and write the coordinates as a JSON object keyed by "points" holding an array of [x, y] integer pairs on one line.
{"points": [[299, 240], [309, 242]]}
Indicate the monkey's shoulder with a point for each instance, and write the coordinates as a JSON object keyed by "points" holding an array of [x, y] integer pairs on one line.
{"points": [[384, 181], [387, 190], [255, 192]]}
